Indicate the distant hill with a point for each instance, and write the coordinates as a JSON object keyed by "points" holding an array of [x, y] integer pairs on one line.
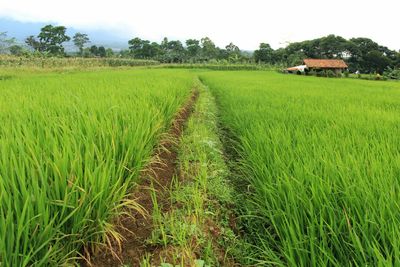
{"points": [[20, 30]]}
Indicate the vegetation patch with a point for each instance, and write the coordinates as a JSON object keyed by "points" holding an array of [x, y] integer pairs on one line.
{"points": [[151, 196], [196, 229], [71, 147], [320, 160], [5, 77]]}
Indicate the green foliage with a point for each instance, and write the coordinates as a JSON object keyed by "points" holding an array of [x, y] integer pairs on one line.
{"points": [[32, 42], [319, 161], [219, 66], [361, 54], [51, 39], [80, 39], [264, 54], [330, 74], [200, 195], [72, 144], [101, 51], [208, 48], [17, 50], [393, 74], [5, 43], [313, 73], [193, 48]]}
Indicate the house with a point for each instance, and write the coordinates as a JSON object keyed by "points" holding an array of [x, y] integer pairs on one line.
{"points": [[335, 65]]}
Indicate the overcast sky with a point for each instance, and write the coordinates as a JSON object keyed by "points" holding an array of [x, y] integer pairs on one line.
{"points": [[245, 23]]}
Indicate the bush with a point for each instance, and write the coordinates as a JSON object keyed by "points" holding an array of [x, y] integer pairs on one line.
{"points": [[346, 73], [393, 74], [312, 73], [330, 74]]}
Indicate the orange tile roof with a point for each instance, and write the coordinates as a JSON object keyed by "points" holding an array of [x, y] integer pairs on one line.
{"points": [[325, 63]]}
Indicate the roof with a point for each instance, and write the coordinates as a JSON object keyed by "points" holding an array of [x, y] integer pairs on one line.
{"points": [[325, 63], [297, 68]]}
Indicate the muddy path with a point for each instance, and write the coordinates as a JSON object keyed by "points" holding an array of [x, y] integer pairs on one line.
{"points": [[136, 229]]}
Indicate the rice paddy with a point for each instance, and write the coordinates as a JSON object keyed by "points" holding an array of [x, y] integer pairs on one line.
{"points": [[71, 146], [313, 174], [322, 160]]}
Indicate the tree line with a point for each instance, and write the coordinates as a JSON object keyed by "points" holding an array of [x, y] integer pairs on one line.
{"points": [[362, 54]]}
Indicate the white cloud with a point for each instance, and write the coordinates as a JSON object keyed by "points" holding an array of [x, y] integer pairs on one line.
{"points": [[246, 23]]}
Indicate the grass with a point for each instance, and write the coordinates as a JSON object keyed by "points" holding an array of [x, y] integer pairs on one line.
{"points": [[195, 230], [321, 158], [318, 166], [72, 144]]}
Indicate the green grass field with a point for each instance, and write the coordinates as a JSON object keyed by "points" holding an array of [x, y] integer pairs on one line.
{"points": [[71, 145], [316, 172], [322, 157]]}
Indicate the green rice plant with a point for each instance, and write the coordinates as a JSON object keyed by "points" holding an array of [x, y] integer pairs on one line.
{"points": [[321, 159], [72, 144]]}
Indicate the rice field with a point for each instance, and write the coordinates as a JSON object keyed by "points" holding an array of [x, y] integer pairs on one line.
{"points": [[71, 146], [322, 161], [316, 162]]}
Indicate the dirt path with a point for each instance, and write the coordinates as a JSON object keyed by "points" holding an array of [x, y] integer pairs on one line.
{"points": [[137, 229]]}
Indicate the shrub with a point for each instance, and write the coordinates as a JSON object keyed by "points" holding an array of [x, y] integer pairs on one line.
{"points": [[393, 74], [330, 74], [312, 73]]}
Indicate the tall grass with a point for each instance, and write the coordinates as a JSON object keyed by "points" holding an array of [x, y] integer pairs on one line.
{"points": [[71, 145], [322, 160], [56, 62]]}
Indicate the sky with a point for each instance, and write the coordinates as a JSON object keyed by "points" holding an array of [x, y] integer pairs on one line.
{"points": [[245, 23]]}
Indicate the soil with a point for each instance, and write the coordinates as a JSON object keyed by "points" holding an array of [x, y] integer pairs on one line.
{"points": [[137, 228]]}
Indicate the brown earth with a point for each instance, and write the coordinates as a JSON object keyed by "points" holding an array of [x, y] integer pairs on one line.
{"points": [[137, 228]]}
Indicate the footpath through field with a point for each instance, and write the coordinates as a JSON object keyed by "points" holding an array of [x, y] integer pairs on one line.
{"points": [[185, 196]]}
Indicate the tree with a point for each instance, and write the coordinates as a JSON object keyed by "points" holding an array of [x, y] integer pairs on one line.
{"points": [[264, 53], [376, 61], [51, 39], [333, 46], [5, 42], [80, 39], [16, 50], [109, 52], [208, 48], [397, 60], [101, 51], [155, 50], [143, 49], [33, 43], [175, 52], [94, 50], [280, 56], [193, 48], [233, 52]]}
